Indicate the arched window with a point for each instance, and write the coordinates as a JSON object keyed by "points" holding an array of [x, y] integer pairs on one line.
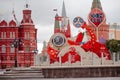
{"points": [[27, 48], [12, 49], [3, 49]]}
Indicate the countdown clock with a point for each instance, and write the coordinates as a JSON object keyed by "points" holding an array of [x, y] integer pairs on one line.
{"points": [[58, 40], [96, 17]]}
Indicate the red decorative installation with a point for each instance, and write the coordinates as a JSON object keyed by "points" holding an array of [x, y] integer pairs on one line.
{"points": [[71, 55], [92, 45], [53, 54]]}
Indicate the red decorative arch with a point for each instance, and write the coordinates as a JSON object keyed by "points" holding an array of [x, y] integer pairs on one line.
{"points": [[12, 23]]}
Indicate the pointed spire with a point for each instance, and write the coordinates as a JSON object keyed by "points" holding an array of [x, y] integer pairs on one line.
{"points": [[63, 10], [68, 29], [44, 49], [14, 16], [96, 4]]}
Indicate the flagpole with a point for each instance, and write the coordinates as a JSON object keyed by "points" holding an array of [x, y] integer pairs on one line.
{"points": [[97, 34]]}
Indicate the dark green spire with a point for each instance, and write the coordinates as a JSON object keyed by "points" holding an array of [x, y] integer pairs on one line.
{"points": [[96, 4]]}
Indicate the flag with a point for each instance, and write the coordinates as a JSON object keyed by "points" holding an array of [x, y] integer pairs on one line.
{"points": [[54, 9]]}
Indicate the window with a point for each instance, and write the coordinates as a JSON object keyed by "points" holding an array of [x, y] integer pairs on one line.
{"points": [[12, 49], [27, 58], [3, 66], [111, 35], [3, 35], [12, 35], [27, 35], [3, 49], [27, 65], [3, 58], [27, 48], [12, 58]]}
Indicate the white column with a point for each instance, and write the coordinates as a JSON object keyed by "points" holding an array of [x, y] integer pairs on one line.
{"points": [[114, 58], [102, 58], [81, 59], [60, 62], [48, 59], [97, 34], [69, 59], [92, 59], [118, 56]]}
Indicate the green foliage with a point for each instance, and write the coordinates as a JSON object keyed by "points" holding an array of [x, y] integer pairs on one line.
{"points": [[113, 45]]}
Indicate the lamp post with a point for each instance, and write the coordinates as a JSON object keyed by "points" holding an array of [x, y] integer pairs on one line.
{"points": [[35, 57], [15, 45]]}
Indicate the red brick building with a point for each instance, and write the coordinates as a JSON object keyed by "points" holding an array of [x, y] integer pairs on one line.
{"points": [[26, 35]]}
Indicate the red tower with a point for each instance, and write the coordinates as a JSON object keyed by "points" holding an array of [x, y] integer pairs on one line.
{"points": [[25, 34], [64, 27], [97, 22]]}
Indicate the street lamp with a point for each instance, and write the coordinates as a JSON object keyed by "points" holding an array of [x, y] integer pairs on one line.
{"points": [[15, 44], [35, 51]]}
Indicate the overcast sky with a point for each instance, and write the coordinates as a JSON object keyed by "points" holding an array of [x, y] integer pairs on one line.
{"points": [[43, 14]]}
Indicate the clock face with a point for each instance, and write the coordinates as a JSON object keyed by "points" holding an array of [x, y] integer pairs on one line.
{"points": [[58, 40]]}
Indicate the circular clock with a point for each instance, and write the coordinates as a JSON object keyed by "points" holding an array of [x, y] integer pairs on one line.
{"points": [[58, 40]]}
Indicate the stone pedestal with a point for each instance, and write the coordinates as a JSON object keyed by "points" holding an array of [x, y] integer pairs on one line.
{"points": [[77, 72]]}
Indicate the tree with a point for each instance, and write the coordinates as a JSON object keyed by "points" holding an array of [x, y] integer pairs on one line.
{"points": [[113, 46]]}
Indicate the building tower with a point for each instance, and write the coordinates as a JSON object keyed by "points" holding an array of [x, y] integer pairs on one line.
{"points": [[28, 35], [97, 22], [96, 4], [62, 24], [28, 31]]}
